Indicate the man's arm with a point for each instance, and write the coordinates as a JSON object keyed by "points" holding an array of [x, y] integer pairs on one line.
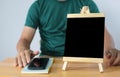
{"points": [[108, 42], [23, 47]]}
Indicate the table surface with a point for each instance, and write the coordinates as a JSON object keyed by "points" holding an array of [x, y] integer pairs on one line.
{"points": [[73, 70]]}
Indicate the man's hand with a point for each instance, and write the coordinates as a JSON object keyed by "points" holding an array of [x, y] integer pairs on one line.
{"points": [[112, 57], [24, 57]]}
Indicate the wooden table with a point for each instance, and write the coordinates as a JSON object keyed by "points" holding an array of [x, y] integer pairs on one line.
{"points": [[73, 70]]}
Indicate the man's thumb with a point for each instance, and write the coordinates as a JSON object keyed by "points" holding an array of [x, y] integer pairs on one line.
{"points": [[35, 53], [108, 55]]}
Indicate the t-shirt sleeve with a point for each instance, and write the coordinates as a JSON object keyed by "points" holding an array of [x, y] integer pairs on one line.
{"points": [[32, 19], [93, 7]]}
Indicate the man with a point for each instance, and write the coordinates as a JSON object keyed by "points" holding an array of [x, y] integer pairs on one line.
{"points": [[49, 16]]}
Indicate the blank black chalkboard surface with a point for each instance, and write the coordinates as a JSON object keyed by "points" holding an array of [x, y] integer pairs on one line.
{"points": [[85, 35]]}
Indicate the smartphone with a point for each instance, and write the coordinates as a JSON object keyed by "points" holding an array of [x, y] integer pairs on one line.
{"points": [[38, 63]]}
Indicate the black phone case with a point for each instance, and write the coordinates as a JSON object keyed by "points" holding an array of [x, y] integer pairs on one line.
{"points": [[38, 63]]}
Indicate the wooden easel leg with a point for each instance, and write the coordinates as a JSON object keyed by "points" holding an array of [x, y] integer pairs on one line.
{"points": [[100, 67], [64, 66]]}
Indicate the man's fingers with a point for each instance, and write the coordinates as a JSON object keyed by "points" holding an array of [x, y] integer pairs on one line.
{"points": [[16, 62], [23, 58], [108, 55], [117, 60], [111, 56], [28, 55], [107, 58], [114, 56], [19, 61]]}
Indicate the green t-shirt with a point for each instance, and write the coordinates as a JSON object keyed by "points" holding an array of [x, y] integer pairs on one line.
{"points": [[49, 16]]}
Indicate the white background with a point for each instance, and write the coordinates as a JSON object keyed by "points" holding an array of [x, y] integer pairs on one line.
{"points": [[12, 19]]}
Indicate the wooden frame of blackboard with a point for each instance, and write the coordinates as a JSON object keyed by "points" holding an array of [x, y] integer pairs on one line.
{"points": [[67, 59]]}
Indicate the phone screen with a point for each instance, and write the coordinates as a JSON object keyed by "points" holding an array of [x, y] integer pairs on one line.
{"points": [[38, 63]]}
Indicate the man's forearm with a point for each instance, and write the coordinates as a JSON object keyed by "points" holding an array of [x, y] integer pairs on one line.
{"points": [[109, 42], [23, 45]]}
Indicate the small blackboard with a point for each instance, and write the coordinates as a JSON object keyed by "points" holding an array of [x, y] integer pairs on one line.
{"points": [[85, 35]]}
